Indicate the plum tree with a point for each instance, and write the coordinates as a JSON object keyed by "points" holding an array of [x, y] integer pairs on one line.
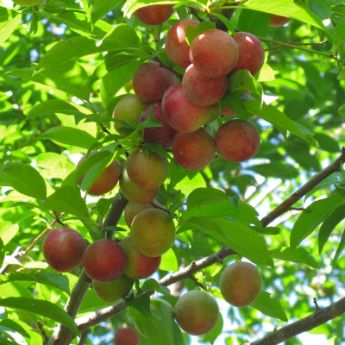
{"points": [[126, 336], [113, 290], [134, 193], [240, 283], [132, 209], [27, 3], [201, 90], [104, 260], [127, 112], [162, 135], [151, 80], [107, 180], [251, 52], [154, 14], [153, 232], [183, 115], [176, 45], [147, 170], [196, 312], [214, 53], [138, 265], [194, 150], [278, 20], [63, 248], [237, 140]]}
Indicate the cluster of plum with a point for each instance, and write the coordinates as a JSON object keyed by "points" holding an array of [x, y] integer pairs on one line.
{"points": [[182, 109]]}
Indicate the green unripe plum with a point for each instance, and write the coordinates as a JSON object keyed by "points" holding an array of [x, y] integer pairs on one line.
{"points": [[151, 80], [194, 150], [153, 232], [237, 140], [111, 291], [104, 260], [201, 90], [134, 193], [278, 20], [63, 249], [27, 3], [196, 312], [240, 283], [138, 266], [147, 170], [132, 209], [214, 53], [182, 114], [127, 111], [176, 45], [251, 52], [154, 14]]}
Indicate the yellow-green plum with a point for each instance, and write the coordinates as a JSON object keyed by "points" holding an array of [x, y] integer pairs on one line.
{"points": [[113, 290], [127, 112], [132, 209], [147, 170], [196, 312], [153, 232], [240, 283], [138, 265]]}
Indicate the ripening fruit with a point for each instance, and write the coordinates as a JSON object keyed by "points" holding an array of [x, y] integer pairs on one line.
{"points": [[153, 232], [251, 52], [138, 265], [194, 150], [278, 20], [237, 140], [214, 53], [63, 249], [196, 312], [104, 260], [112, 290], [151, 81], [127, 111], [134, 193], [132, 209], [240, 283], [176, 45], [126, 336], [201, 90], [107, 180], [147, 170], [162, 135], [154, 14], [27, 3], [183, 115]]}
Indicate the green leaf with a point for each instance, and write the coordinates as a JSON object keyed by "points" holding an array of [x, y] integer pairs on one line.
{"points": [[284, 123], [270, 306], [54, 165], [169, 261], [56, 280], [240, 238], [329, 224], [327, 143], [69, 136], [276, 169], [8, 231], [297, 255], [287, 8], [14, 326], [42, 308], [67, 199], [253, 22], [7, 27], [193, 31], [2, 252], [100, 8], [339, 249], [153, 285], [24, 179], [121, 37], [312, 217]]}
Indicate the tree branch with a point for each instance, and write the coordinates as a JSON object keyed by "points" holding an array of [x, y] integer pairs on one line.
{"points": [[94, 318], [63, 335], [320, 317]]}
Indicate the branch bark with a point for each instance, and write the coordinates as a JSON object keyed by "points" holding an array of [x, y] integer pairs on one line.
{"points": [[320, 317], [63, 335], [92, 319]]}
